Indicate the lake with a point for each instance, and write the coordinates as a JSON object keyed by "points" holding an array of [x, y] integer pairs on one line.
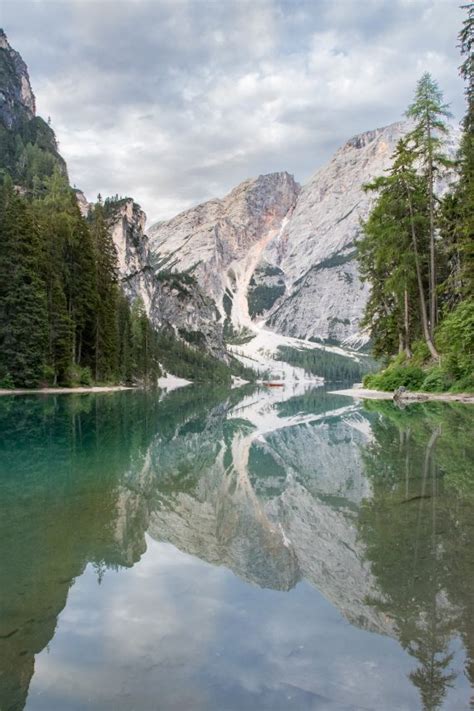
{"points": [[250, 549]]}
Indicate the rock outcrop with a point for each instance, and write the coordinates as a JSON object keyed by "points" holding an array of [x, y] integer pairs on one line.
{"points": [[17, 101], [173, 301], [221, 241], [22, 131]]}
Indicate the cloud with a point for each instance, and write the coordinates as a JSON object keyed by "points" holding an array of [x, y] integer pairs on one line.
{"points": [[174, 102]]}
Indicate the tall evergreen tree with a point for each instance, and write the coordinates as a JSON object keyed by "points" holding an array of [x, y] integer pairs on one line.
{"points": [[430, 113], [391, 258], [465, 191], [69, 269], [23, 306], [106, 283]]}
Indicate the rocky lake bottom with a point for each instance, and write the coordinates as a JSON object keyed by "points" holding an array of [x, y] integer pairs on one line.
{"points": [[235, 550]]}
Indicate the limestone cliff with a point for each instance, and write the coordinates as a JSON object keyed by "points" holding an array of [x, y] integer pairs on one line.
{"points": [[25, 137], [17, 101], [173, 302], [271, 249], [221, 241], [316, 251]]}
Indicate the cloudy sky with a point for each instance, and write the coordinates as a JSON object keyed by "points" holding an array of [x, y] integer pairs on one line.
{"points": [[176, 101]]}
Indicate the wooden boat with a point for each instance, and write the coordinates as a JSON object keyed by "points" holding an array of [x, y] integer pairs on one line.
{"points": [[274, 385]]}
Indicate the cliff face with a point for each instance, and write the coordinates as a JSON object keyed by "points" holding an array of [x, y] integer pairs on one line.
{"points": [[17, 100], [172, 301], [21, 131], [316, 250], [271, 249], [221, 241]]}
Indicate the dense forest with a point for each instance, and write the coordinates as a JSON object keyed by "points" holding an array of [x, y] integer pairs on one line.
{"points": [[63, 317], [327, 364], [417, 250]]}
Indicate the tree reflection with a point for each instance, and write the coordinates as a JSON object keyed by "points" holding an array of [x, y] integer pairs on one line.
{"points": [[419, 534]]}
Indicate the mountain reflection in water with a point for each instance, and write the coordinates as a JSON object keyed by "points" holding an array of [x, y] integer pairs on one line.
{"points": [[367, 507]]}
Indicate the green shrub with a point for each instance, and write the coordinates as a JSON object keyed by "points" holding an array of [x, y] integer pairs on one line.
{"points": [[370, 380], [436, 381], [455, 340], [395, 376], [48, 376], [7, 382], [464, 385], [77, 376], [420, 353]]}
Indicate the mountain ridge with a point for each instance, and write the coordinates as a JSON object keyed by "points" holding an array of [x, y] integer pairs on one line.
{"points": [[318, 294]]}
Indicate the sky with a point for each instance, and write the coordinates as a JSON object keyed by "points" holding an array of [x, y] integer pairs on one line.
{"points": [[174, 102]]}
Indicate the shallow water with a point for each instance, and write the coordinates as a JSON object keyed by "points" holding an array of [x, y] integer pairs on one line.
{"points": [[219, 550]]}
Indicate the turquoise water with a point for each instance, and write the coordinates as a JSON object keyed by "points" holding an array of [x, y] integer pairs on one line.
{"points": [[233, 550]]}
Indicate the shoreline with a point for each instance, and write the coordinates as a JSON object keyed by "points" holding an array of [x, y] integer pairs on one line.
{"points": [[65, 391], [407, 397]]}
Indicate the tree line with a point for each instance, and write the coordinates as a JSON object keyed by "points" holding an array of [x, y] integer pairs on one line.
{"points": [[64, 319], [333, 367], [417, 247]]}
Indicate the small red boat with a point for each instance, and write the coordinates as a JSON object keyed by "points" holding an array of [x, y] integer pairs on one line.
{"points": [[274, 385]]}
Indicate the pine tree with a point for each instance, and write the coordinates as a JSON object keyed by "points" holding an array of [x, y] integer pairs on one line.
{"points": [[414, 190], [106, 283], [465, 191], [144, 345], [23, 309], [69, 270], [126, 356], [429, 113], [391, 258]]}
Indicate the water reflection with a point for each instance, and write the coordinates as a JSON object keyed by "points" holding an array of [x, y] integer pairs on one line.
{"points": [[418, 528], [370, 505]]}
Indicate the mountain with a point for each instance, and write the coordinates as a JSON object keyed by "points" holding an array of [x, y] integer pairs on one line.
{"points": [[270, 251], [316, 250], [273, 249], [175, 304], [17, 101], [28, 146], [271, 259]]}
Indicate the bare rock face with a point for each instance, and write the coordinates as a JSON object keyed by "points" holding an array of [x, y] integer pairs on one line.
{"points": [[221, 241], [126, 221], [17, 100], [18, 120], [316, 250], [173, 302], [82, 202], [326, 303]]}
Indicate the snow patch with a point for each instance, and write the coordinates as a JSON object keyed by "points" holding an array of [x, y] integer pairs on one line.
{"points": [[168, 382]]}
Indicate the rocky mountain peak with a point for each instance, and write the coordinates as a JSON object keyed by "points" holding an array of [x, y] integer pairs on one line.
{"points": [[4, 44], [362, 140], [221, 241], [17, 100], [316, 251]]}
